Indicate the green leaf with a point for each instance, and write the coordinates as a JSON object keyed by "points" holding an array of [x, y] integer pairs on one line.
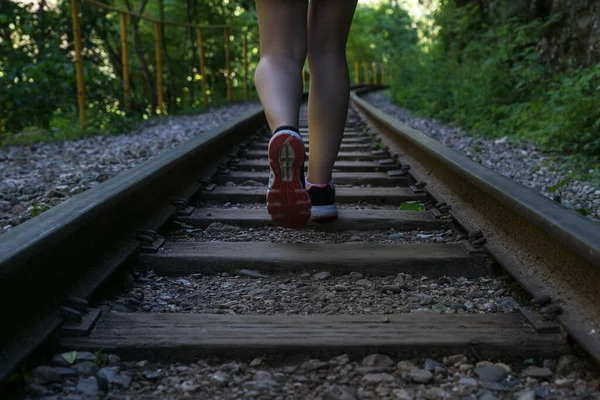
{"points": [[412, 206], [439, 308], [562, 183], [69, 356]]}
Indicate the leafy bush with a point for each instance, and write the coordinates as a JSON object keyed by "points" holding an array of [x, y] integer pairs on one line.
{"points": [[488, 77]]}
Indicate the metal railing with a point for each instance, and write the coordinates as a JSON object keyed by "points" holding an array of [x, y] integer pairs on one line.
{"points": [[158, 62]]}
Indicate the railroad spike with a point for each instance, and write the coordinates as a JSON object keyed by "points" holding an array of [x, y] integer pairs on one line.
{"points": [[541, 300], [552, 309], [70, 314], [77, 303], [478, 242], [144, 238]]}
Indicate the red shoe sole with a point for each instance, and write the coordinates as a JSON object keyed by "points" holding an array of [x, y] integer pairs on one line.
{"points": [[287, 200]]}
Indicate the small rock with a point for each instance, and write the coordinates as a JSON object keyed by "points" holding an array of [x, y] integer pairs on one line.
{"points": [[487, 396], [85, 368], [377, 363], [405, 366], [364, 283], [216, 227], [65, 372], [465, 367], [44, 374], [220, 379], [263, 376], [455, 359], [353, 239], [542, 392], [484, 364], [122, 381], [525, 395], [312, 365], [153, 375], [85, 356], [421, 375], [260, 385], [494, 386], [507, 304], [436, 393], [430, 365], [396, 236], [105, 376], [491, 373], [376, 378], [344, 359], [356, 275], [339, 392], [321, 275], [113, 359], [467, 381], [537, 372], [392, 288], [255, 362], [189, 386], [251, 274], [402, 394], [565, 365], [563, 383], [88, 386], [505, 367]]}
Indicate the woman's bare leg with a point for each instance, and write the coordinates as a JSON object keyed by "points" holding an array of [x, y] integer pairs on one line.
{"points": [[278, 76], [328, 28]]}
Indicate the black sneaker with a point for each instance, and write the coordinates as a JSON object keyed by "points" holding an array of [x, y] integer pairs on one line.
{"points": [[322, 199]]}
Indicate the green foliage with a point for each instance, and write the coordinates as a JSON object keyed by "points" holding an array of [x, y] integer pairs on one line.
{"points": [[38, 95], [412, 206], [39, 209], [378, 32], [487, 76]]}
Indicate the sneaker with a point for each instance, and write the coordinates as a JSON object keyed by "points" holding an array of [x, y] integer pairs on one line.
{"points": [[322, 198], [287, 200]]}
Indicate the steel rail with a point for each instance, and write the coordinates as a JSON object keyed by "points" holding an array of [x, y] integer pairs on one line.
{"points": [[72, 248], [547, 248]]}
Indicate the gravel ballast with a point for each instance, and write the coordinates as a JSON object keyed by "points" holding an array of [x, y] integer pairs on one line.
{"points": [[376, 376], [250, 292], [35, 177], [513, 158]]}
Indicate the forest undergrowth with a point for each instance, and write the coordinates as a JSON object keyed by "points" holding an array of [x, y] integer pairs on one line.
{"points": [[488, 77]]}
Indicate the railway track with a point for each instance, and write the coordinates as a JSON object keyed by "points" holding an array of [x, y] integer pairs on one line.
{"points": [[466, 222]]}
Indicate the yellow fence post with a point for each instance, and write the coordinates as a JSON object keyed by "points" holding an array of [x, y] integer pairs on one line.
{"points": [[382, 74], [125, 63], [246, 94], [78, 63], [374, 65], [227, 66], [203, 80], [356, 73], [366, 72], [159, 77]]}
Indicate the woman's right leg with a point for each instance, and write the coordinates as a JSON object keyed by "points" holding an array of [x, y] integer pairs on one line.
{"points": [[329, 24]]}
